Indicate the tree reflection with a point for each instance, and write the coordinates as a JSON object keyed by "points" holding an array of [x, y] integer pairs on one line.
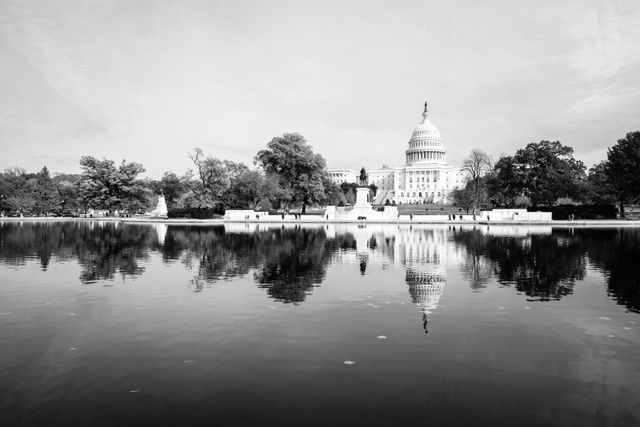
{"points": [[107, 248], [295, 261], [617, 251], [102, 248], [476, 266], [544, 267], [286, 262], [21, 242], [212, 253]]}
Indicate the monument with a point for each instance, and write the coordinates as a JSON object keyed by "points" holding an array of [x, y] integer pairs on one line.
{"points": [[161, 210], [362, 210]]}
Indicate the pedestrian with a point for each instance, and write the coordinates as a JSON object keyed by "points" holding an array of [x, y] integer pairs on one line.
{"points": [[460, 217]]}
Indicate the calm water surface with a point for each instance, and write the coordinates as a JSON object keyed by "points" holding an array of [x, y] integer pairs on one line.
{"points": [[112, 324]]}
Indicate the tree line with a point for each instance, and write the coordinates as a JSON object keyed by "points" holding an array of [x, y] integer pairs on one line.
{"points": [[546, 173], [290, 175]]}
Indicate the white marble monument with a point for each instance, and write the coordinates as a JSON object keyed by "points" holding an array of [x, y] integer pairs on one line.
{"points": [[161, 208], [361, 210]]}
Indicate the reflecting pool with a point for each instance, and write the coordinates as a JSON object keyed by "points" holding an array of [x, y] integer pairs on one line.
{"points": [[106, 323]]}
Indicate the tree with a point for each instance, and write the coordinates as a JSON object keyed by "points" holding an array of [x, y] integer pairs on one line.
{"points": [[623, 169], [522, 202], [349, 190], [504, 184], [350, 197], [463, 197], [16, 191], [22, 202], [69, 198], [68, 192], [247, 188], [598, 188], [476, 165], [333, 193], [373, 190], [346, 186], [47, 197], [550, 172], [272, 193], [543, 171], [223, 184], [105, 186], [172, 187], [298, 170], [211, 180]]}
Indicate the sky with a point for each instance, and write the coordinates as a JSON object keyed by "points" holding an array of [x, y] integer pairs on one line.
{"points": [[148, 81]]}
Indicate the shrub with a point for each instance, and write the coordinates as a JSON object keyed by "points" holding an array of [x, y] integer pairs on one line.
{"points": [[195, 213], [586, 211], [522, 202]]}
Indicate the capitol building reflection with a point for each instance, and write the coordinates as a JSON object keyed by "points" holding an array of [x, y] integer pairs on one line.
{"points": [[423, 253]]}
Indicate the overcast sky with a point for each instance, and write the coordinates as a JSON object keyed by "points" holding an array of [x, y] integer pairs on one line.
{"points": [[147, 81]]}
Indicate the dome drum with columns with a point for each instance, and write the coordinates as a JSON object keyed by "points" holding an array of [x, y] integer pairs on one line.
{"points": [[425, 145], [426, 176]]}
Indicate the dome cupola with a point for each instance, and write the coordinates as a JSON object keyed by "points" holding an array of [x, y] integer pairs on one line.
{"points": [[426, 144]]}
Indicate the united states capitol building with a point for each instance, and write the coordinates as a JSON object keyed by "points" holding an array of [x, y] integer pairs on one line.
{"points": [[426, 177]]}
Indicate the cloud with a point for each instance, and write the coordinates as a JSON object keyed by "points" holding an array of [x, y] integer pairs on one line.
{"points": [[150, 80]]}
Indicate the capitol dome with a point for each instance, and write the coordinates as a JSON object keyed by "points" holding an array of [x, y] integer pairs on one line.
{"points": [[426, 144]]}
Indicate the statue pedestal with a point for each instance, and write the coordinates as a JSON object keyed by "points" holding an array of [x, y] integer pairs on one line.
{"points": [[362, 196], [362, 210], [362, 207]]}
